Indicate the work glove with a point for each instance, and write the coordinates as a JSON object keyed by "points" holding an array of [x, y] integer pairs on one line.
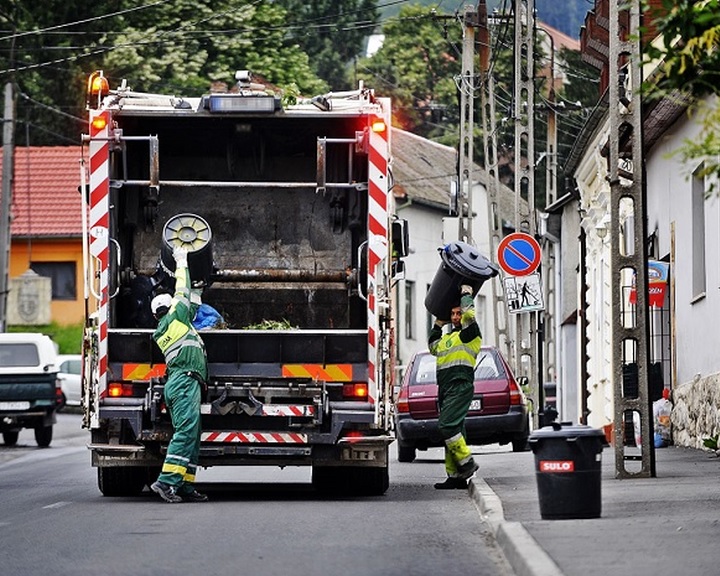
{"points": [[180, 255], [465, 289]]}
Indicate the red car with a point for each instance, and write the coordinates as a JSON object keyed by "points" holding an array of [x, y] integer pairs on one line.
{"points": [[498, 412]]}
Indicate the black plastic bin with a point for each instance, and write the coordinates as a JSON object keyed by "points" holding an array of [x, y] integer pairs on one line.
{"points": [[568, 468], [461, 264]]}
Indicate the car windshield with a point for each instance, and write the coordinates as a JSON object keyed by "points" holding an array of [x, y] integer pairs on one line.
{"points": [[486, 368]]}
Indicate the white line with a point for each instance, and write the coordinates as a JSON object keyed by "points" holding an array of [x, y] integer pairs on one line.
{"points": [[56, 505]]}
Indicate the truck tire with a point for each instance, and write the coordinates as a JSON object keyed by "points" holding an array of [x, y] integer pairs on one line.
{"points": [[369, 481], [43, 435], [10, 438], [406, 453], [351, 480], [122, 480]]}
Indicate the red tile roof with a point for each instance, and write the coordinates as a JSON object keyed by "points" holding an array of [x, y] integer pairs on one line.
{"points": [[46, 201]]}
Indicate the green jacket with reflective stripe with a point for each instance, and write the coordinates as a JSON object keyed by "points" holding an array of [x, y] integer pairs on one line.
{"points": [[175, 335], [457, 351]]}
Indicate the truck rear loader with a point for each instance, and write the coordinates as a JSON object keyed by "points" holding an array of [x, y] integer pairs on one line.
{"points": [[288, 219]]}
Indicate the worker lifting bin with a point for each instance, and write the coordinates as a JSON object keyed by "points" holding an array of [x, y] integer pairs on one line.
{"points": [[568, 470], [461, 264]]}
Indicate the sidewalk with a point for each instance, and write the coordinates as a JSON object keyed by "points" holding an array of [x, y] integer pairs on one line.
{"points": [[668, 525]]}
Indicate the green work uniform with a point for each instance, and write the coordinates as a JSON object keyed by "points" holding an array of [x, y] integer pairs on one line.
{"points": [[456, 354], [186, 366]]}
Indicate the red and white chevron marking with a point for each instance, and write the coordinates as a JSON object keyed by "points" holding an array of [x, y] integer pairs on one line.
{"points": [[255, 437], [99, 230], [377, 244], [302, 410]]}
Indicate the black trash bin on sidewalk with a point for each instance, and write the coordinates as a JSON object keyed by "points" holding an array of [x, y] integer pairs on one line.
{"points": [[460, 264], [567, 468]]}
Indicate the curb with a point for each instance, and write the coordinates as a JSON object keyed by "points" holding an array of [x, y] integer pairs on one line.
{"points": [[521, 550]]}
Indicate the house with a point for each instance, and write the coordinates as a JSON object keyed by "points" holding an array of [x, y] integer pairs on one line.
{"points": [[46, 229], [422, 173], [682, 243]]}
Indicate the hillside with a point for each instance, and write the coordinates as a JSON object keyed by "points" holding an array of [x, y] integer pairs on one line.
{"points": [[567, 16]]}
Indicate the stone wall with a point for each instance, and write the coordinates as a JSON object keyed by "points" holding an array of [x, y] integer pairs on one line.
{"points": [[696, 411]]}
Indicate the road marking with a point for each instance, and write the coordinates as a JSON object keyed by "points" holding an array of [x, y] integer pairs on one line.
{"points": [[56, 505]]}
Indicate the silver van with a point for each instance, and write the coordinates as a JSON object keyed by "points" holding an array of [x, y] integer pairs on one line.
{"points": [[30, 391]]}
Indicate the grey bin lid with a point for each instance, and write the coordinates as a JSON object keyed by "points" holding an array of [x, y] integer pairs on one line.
{"points": [[467, 261], [564, 430]]}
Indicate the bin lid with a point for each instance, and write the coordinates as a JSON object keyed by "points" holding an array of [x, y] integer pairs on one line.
{"points": [[466, 260], [566, 430]]}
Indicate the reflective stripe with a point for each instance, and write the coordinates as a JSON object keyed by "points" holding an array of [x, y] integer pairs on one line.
{"points": [[176, 457], [189, 477], [174, 333], [170, 355], [174, 469]]}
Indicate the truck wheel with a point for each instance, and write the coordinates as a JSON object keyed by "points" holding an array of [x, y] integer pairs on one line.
{"points": [[327, 479], [368, 481], [406, 453], [122, 480], [10, 438], [43, 435]]}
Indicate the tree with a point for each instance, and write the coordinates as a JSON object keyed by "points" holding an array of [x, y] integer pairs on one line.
{"points": [[332, 33], [184, 45], [49, 48], [417, 65], [689, 57]]}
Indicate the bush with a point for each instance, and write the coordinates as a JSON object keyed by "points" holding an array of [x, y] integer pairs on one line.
{"points": [[67, 337]]}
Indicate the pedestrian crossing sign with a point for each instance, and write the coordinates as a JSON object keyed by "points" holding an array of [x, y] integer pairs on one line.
{"points": [[523, 293]]}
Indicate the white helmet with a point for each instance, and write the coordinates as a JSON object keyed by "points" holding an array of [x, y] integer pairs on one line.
{"points": [[160, 301]]}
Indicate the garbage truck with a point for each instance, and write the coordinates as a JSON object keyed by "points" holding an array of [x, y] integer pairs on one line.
{"points": [[287, 215]]}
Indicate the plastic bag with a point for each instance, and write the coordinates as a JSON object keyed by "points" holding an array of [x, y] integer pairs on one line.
{"points": [[207, 317], [661, 415]]}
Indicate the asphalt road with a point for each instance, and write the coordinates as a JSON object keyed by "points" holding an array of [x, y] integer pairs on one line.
{"points": [[259, 522]]}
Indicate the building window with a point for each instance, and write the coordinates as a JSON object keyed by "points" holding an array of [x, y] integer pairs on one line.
{"points": [[698, 233], [409, 308], [62, 274]]}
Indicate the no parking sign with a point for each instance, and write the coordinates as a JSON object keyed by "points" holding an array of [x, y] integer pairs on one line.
{"points": [[519, 254]]}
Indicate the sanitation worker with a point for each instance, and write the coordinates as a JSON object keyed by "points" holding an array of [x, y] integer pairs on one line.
{"points": [[456, 353], [186, 375]]}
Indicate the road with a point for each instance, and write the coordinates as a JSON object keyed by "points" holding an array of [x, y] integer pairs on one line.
{"points": [[259, 522]]}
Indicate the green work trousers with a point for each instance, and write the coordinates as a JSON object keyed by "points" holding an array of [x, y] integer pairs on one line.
{"points": [[453, 402], [182, 398]]}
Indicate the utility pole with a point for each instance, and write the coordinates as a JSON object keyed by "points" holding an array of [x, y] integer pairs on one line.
{"points": [[487, 101], [526, 334], [7, 188], [630, 327], [467, 99]]}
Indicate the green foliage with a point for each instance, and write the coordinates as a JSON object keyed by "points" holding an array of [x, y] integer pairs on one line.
{"points": [[417, 65], [271, 325], [332, 33], [689, 56], [711, 442], [67, 337], [184, 45]]}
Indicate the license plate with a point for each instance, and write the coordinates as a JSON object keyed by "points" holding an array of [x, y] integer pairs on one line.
{"points": [[14, 405], [476, 405]]}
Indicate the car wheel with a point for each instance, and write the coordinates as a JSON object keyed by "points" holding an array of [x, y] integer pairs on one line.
{"points": [[43, 435], [406, 453], [10, 438]]}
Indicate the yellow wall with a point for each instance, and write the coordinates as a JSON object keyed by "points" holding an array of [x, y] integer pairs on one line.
{"points": [[22, 252]]}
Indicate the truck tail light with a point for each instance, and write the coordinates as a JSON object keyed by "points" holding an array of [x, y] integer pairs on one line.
{"points": [[125, 390], [355, 391]]}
